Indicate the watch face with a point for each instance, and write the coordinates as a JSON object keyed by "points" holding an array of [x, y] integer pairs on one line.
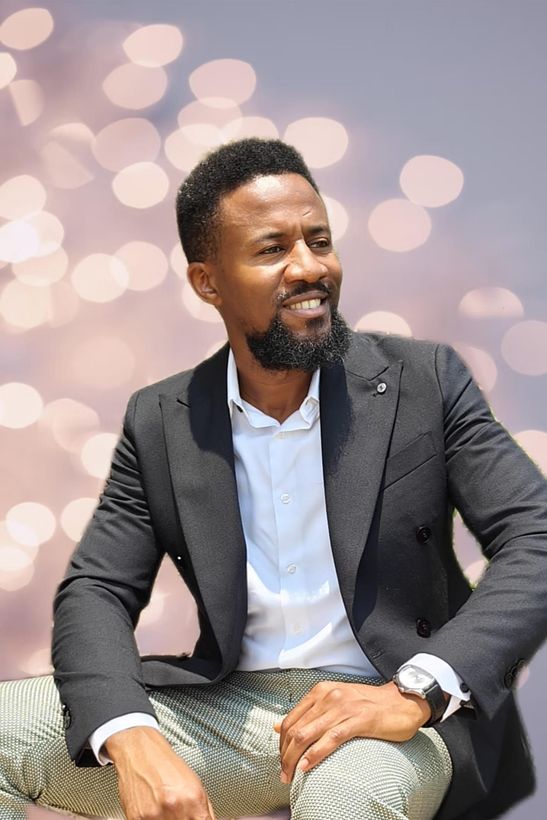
{"points": [[413, 678]]}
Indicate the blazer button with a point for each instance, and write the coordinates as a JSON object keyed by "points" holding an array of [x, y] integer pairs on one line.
{"points": [[423, 628], [67, 717], [423, 534]]}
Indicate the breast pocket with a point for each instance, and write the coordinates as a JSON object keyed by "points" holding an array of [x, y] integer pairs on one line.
{"points": [[404, 461]]}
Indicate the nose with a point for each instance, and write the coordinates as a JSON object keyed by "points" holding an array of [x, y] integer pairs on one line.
{"points": [[304, 265]]}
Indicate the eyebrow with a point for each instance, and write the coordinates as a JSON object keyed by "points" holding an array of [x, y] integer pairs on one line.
{"points": [[314, 230]]}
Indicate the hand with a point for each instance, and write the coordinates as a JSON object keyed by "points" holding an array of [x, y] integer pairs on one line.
{"points": [[153, 781], [332, 713]]}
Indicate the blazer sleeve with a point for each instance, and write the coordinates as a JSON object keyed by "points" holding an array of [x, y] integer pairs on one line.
{"points": [[502, 498], [97, 605]]}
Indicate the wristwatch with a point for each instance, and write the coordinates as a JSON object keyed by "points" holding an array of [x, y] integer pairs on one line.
{"points": [[412, 680]]}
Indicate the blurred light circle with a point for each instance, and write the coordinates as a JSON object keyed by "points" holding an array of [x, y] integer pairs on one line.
{"points": [[70, 422], [141, 185], [534, 442], [134, 86], [18, 240], [30, 523], [124, 142], [431, 181], [67, 155], [203, 133], [20, 196], [243, 127], [154, 45], [475, 570], [63, 168], [320, 140], [40, 271], [96, 454], [382, 321], [196, 307], [215, 348], [146, 264], [199, 112], [49, 230], [38, 663], [481, 364], [338, 217], [178, 261], [26, 28], [182, 152], [523, 347], [100, 278], [20, 405], [102, 362], [16, 568], [399, 225], [25, 306], [226, 78], [76, 516], [8, 69], [490, 301], [28, 100], [154, 610], [73, 133]]}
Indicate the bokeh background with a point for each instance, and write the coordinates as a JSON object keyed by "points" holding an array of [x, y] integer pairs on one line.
{"points": [[425, 126]]}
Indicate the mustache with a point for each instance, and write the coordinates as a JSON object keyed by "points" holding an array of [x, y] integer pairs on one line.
{"points": [[303, 289]]}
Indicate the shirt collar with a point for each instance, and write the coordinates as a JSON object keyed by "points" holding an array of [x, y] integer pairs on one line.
{"points": [[308, 409]]}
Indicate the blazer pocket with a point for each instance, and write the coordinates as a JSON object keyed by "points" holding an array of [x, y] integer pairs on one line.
{"points": [[404, 461]]}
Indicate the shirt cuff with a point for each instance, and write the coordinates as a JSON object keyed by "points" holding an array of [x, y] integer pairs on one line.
{"points": [[98, 738], [449, 680]]}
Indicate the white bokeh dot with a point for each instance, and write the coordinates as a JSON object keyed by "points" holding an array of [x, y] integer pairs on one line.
{"points": [[20, 405], [322, 141], [523, 347], [431, 181], [383, 321], [399, 225], [96, 454]]}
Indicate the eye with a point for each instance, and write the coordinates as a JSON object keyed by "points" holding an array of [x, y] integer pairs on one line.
{"points": [[272, 249], [323, 244]]}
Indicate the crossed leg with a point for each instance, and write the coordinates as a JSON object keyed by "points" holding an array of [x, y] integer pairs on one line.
{"points": [[225, 733]]}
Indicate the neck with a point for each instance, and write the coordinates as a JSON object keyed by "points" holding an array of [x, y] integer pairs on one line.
{"points": [[278, 393]]}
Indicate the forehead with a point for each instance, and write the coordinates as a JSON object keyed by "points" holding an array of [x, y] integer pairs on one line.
{"points": [[270, 201]]}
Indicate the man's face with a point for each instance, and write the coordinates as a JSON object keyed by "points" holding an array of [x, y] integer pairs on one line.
{"points": [[277, 274]]}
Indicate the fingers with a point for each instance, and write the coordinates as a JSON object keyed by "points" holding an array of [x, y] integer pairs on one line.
{"points": [[327, 744]]}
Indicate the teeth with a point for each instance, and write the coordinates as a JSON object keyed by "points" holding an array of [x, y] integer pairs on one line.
{"points": [[307, 305]]}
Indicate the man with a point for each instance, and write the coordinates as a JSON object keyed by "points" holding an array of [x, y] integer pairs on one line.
{"points": [[303, 481]]}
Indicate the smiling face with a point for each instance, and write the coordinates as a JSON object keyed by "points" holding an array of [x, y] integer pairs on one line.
{"points": [[275, 277]]}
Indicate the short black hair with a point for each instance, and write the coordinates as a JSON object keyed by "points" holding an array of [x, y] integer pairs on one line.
{"points": [[220, 172]]}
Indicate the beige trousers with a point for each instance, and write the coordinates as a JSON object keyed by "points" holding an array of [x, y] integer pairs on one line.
{"points": [[225, 733]]}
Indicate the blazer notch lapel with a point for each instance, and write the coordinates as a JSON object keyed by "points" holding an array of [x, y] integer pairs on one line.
{"points": [[357, 417]]}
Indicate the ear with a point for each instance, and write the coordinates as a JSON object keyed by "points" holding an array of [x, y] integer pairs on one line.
{"points": [[201, 276]]}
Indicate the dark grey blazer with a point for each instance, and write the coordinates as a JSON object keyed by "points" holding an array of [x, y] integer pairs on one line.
{"points": [[396, 463]]}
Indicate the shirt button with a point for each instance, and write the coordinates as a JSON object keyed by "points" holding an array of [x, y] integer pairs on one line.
{"points": [[285, 498], [296, 629], [291, 569]]}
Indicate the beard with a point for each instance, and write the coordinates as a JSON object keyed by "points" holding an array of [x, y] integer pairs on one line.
{"points": [[278, 348]]}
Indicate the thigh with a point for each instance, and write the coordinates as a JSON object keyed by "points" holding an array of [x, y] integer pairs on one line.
{"points": [[370, 779], [225, 733], [34, 761]]}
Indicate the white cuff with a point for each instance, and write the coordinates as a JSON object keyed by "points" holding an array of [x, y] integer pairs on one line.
{"points": [[449, 680], [99, 737]]}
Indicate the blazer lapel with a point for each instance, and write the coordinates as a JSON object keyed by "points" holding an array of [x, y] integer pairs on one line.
{"points": [[201, 461], [356, 423]]}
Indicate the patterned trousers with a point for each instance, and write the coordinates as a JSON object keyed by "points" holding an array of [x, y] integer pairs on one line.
{"points": [[225, 734]]}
